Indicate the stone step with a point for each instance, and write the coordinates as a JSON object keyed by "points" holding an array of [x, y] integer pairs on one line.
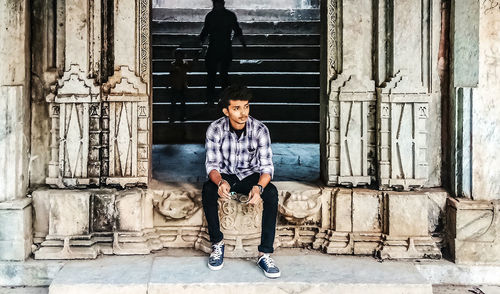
{"points": [[279, 79], [300, 274], [232, 4], [260, 94], [192, 40], [250, 65], [265, 27], [189, 14], [250, 52], [165, 132], [267, 112]]}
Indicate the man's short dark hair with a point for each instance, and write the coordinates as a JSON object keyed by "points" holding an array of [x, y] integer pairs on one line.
{"points": [[234, 92], [218, 1]]}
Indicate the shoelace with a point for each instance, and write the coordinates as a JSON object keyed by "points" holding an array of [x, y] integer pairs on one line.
{"points": [[216, 252], [268, 261]]}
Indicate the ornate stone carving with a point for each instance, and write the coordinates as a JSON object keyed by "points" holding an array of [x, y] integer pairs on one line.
{"points": [[241, 224], [144, 40], [300, 207], [331, 40], [177, 205], [402, 134]]}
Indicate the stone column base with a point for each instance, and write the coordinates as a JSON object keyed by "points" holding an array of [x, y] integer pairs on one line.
{"points": [[16, 229], [473, 231]]}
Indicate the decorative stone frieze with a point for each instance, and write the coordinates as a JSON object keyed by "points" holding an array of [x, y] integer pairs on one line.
{"points": [[473, 231]]}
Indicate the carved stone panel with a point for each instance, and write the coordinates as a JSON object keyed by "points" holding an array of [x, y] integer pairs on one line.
{"points": [[128, 145], [402, 138], [351, 135]]}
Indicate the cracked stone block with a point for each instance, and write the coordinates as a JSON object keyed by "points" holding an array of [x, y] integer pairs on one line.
{"points": [[69, 213], [342, 209], [366, 211], [407, 214], [473, 228]]}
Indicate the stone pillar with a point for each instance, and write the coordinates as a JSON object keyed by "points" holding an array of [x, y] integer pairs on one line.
{"points": [[15, 208], [473, 217], [126, 107], [349, 106], [408, 94]]}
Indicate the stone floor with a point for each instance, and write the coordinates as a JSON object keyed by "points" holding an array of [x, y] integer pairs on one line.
{"points": [[186, 162], [185, 271]]}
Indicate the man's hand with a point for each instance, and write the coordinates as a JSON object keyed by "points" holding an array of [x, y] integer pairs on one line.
{"points": [[254, 195], [224, 189]]}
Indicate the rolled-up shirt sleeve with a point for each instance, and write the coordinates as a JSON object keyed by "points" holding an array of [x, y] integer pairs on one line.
{"points": [[265, 152], [213, 151]]}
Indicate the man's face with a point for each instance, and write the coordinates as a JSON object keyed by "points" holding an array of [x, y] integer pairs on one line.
{"points": [[237, 111]]}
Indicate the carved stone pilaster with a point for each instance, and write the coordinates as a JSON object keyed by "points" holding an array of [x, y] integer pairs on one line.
{"points": [[351, 135], [402, 134], [129, 122]]}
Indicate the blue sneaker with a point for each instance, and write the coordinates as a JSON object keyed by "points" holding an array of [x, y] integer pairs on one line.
{"points": [[266, 263], [216, 259]]}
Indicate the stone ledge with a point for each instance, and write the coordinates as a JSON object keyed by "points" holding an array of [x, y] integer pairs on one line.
{"points": [[16, 204]]}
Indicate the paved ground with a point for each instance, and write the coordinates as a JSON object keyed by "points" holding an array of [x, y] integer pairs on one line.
{"points": [[186, 162]]}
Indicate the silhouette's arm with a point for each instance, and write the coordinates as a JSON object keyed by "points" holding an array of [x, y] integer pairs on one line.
{"points": [[204, 31], [238, 32]]}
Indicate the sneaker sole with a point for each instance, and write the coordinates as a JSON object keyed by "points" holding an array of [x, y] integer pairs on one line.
{"points": [[216, 268], [271, 275]]}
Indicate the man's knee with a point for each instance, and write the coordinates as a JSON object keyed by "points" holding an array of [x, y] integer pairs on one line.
{"points": [[209, 193]]}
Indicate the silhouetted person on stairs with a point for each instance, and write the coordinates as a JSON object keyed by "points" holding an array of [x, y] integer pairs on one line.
{"points": [[219, 24]]}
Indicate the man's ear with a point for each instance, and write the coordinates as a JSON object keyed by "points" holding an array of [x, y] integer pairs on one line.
{"points": [[225, 111]]}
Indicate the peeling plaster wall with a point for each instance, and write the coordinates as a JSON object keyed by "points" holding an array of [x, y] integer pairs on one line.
{"points": [[486, 108]]}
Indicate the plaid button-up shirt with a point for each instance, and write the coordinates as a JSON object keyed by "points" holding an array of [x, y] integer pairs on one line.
{"points": [[228, 154]]}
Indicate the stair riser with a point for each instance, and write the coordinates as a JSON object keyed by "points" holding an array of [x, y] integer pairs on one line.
{"points": [[166, 14], [269, 95], [280, 80], [161, 112], [247, 27], [167, 133], [233, 4], [164, 66], [192, 40], [260, 52]]}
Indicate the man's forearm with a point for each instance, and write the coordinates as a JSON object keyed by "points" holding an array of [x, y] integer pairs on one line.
{"points": [[264, 180], [215, 176]]}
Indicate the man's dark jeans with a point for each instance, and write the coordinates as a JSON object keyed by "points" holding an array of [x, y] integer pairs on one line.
{"points": [[269, 196]]}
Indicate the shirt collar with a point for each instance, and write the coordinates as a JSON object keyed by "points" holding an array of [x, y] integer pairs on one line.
{"points": [[227, 127]]}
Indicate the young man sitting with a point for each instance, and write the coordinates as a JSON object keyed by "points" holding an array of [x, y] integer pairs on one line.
{"points": [[239, 159]]}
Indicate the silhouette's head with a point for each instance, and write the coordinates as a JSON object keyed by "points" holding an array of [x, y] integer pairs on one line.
{"points": [[235, 105], [218, 3]]}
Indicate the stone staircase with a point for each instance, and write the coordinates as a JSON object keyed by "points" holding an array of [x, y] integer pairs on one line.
{"points": [[280, 65]]}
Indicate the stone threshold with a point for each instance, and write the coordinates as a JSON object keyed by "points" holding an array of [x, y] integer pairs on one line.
{"points": [[302, 270]]}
